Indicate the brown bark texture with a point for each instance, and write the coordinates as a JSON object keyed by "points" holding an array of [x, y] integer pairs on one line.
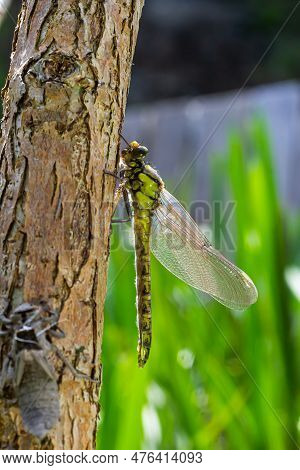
{"points": [[63, 109]]}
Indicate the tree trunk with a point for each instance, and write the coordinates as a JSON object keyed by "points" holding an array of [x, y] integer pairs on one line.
{"points": [[63, 109]]}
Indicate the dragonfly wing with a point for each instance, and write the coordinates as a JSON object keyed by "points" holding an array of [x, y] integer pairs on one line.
{"points": [[181, 247]]}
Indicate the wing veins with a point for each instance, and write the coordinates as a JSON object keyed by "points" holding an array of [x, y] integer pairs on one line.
{"points": [[209, 270]]}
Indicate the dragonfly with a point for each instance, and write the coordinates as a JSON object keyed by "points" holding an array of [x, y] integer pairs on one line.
{"points": [[163, 226]]}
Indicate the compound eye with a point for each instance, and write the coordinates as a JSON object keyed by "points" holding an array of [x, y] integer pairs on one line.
{"points": [[142, 150]]}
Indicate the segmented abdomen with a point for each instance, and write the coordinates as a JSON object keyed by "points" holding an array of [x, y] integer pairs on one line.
{"points": [[142, 226]]}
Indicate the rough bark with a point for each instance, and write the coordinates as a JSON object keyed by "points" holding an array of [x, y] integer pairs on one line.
{"points": [[63, 108]]}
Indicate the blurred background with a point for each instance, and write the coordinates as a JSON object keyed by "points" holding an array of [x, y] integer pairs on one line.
{"points": [[215, 96]]}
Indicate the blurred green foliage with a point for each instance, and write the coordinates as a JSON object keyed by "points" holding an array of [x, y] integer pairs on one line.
{"points": [[215, 378]]}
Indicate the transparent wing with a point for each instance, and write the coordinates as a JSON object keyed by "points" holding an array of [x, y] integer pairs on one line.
{"points": [[181, 247]]}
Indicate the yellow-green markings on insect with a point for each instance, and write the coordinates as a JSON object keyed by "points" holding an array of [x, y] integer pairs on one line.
{"points": [[163, 226]]}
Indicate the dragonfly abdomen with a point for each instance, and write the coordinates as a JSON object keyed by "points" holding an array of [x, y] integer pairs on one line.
{"points": [[142, 224]]}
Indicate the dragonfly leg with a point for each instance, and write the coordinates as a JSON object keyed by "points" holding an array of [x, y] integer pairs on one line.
{"points": [[112, 173], [127, 203], [77, 373], [123, 192]]}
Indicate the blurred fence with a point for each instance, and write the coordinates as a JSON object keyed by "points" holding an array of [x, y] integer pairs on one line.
{"points": [[186, 130]]}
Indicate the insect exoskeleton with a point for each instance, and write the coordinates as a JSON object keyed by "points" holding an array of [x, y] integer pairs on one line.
{"points": [[27, 375]]}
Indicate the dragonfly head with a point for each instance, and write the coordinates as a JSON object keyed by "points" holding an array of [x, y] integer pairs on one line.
{"points": [[134, 154]]}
